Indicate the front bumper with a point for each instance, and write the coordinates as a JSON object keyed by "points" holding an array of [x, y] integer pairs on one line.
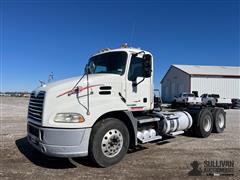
{"points": [[59, 142]]}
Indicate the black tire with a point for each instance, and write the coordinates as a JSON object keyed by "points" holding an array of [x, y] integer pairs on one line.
{"points": [[174, 104], [219, 120], [200, 128], [102, 129], [209, 103], [226, 106]]}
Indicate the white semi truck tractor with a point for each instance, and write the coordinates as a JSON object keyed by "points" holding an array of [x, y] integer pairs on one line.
{"points": [[109, 110]]}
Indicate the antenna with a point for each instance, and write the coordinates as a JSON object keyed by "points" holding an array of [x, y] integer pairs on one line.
{"points": [[132, 34], [50, 77]]}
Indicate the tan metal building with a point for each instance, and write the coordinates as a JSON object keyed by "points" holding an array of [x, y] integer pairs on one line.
{"points": [[222, 80]]}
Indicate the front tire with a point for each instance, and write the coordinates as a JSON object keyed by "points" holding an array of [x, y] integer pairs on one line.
{"points": [[109, 142]]}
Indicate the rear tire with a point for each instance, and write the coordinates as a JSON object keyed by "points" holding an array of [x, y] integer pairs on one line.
{"points": [[109, 142], [219, 118], [204, 126]]}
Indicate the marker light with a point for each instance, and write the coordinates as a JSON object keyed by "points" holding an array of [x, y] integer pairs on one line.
{"points": [[125, 45]]}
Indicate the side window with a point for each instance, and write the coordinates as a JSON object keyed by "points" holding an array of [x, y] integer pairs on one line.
{"points": [[101, 69], [136, 68]]}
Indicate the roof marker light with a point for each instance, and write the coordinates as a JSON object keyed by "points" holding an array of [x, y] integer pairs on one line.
{"points": [[125, 45]]}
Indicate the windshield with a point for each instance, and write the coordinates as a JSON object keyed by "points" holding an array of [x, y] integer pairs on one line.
{"points": [[215, 95], [113, 62], [188, 95]]}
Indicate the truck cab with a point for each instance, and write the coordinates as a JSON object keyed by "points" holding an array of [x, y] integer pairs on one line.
{"points": [[106, 111], [188, 98], [215, 100], [209, 99]]}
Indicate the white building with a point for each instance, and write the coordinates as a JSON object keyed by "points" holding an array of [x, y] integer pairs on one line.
{"points": [[222, 80]]}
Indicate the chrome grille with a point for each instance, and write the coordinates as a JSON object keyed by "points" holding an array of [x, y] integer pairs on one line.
{"points": [[35, 107]]}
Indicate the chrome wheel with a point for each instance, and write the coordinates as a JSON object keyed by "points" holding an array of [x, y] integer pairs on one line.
{"points": [[207, 123], [220, 120], [112, 143]]}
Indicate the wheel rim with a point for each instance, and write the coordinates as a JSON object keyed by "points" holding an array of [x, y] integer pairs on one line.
{"points": [[220, 120], [207, 123], [112, 143]]}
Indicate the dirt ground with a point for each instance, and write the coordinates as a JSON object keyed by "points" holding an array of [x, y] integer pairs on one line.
{"points": [[170, 159]]}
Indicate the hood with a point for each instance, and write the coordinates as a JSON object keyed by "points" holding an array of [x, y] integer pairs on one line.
{"points": [[94, 79]]}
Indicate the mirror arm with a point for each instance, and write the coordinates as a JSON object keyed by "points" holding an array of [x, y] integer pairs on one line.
{"points": [[136, 84], [138, 53]]}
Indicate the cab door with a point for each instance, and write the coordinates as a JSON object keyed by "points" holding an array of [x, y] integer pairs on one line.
{"points": [[139, 89]]}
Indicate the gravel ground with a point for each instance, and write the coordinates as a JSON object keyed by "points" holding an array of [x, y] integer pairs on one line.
{"points": [[170, 159]]}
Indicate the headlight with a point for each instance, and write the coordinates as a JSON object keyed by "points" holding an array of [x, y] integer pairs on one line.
{"points": [[69, 118]]}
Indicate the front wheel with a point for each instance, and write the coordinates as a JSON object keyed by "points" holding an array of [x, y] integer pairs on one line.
{"points": [[109, 142]]}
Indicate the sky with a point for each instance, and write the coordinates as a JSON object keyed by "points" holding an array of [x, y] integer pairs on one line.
{"points": [[39, 37]]}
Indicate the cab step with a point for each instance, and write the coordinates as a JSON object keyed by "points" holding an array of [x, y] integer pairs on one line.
{"points": [[151, 139]]}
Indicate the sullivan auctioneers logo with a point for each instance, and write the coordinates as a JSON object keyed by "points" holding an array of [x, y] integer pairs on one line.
{"points": [[212, 168]]}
